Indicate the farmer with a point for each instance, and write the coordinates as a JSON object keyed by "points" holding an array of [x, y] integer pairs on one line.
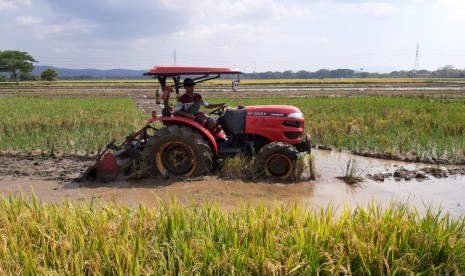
{"points": [[189, 106]]}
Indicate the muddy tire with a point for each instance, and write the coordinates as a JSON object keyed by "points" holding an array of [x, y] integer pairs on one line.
{"points": [[277, 160], [180, 151]]}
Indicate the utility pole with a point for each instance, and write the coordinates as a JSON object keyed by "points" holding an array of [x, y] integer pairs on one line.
{"points": [[174, 57], [416, 65]]}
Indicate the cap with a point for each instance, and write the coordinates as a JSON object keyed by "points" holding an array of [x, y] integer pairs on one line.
{"points": [[188, 82]]}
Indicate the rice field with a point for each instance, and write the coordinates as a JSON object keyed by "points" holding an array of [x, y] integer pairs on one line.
{"points": [[394, 126], [86, 238], [416, 127], [96, 238], [68, 125]]}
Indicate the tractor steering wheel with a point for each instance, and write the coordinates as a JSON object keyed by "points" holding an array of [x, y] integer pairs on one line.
{"points": [[219, 110]]}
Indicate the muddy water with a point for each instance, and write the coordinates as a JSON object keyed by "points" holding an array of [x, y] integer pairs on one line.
{"points": [[447, 193]]}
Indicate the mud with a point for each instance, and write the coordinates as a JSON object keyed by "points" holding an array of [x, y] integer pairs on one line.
{"points": [[60, 169], [421, 174], [147, 90], [52, 178], [417, 159]]}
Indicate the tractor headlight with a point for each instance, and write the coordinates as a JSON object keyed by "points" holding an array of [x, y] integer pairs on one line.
{"points": [[296, 115]]}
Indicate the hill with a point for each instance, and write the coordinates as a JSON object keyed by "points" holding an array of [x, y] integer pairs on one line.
{"points": [[64, 73]]}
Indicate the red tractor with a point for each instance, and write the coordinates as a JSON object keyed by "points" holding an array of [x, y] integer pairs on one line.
{"points": [[274, 134]]}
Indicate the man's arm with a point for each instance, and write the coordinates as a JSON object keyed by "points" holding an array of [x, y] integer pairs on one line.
{"points": [[209, 106], [179, 111]]}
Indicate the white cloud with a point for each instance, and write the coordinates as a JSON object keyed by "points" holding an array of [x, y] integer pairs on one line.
{"points": [[6, 5], [377, 9], [276, 34], [28, 20], [226, 30], [41, 32], [453, 6], [250, 10], [225, 36], [26, 2], [80, 26]]}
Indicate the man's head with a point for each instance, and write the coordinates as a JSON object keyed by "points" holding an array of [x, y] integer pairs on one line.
{"points": [[188, 82]]}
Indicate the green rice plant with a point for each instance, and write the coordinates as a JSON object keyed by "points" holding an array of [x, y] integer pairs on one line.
{"points": [[305, 167], [351, 173], [96, 238], [69, 125], [388, 126], [300, 167], [311, 167], [237, 167]]}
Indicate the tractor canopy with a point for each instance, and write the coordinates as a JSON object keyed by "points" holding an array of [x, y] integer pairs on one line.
{"points": [[162, 73], [202, 73], [169, 71]]}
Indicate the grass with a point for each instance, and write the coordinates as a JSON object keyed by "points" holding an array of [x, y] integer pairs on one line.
{"points": [[415, 128], [243, 167], [351, 173], [305, 167], [238, 167], [87, 238], [69, 125]]}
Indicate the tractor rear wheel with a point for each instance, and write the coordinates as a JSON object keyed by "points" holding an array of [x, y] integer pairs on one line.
{"points": [[178, 150], [277, 160]]}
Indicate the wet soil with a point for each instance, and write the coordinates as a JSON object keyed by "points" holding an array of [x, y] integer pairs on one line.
{"points": [[53, 178], [147, 90]]}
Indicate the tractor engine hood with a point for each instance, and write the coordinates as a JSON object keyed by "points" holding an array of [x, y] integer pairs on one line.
{"points": [[274, 111], [276, 123]]}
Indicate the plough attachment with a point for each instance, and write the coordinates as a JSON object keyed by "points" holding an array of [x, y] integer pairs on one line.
{"points": [[125, 161]]}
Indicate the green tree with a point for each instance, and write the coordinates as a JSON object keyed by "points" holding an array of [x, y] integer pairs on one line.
{"points": [[49, 75], [16, 62]]}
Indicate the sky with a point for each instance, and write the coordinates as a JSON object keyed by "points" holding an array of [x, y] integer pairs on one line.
{"points": [[250, 35]]}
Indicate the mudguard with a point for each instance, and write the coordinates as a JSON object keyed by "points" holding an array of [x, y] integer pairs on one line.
{"points": [[177, 120]]}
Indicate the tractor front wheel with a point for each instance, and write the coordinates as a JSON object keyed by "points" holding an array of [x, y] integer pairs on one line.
{"points": [[178, 150], [277, 160]]}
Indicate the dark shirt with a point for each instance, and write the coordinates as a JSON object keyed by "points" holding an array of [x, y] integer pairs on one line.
{"points": [[188, 99]]}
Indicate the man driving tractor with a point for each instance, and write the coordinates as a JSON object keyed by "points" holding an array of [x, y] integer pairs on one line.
{"points": [[184, 148], [189, 106]]}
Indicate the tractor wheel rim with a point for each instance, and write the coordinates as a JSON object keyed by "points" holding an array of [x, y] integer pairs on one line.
{"points": [[176, 158], [279, 165]]}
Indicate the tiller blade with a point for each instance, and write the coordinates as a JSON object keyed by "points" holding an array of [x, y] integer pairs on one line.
{"points": [[107, 168]]}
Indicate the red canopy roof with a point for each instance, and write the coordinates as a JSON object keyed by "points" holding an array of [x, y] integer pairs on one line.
{"points": [[190, 70]]}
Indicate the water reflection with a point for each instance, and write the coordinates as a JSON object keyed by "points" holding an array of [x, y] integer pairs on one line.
{"points": [[447, 193]]}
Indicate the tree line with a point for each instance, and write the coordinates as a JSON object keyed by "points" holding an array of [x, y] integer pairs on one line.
{"points": [[447, 71], [18, 66]]}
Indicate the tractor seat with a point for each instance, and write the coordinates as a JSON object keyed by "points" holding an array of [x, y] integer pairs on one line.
{"points": [[233, 121]]}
